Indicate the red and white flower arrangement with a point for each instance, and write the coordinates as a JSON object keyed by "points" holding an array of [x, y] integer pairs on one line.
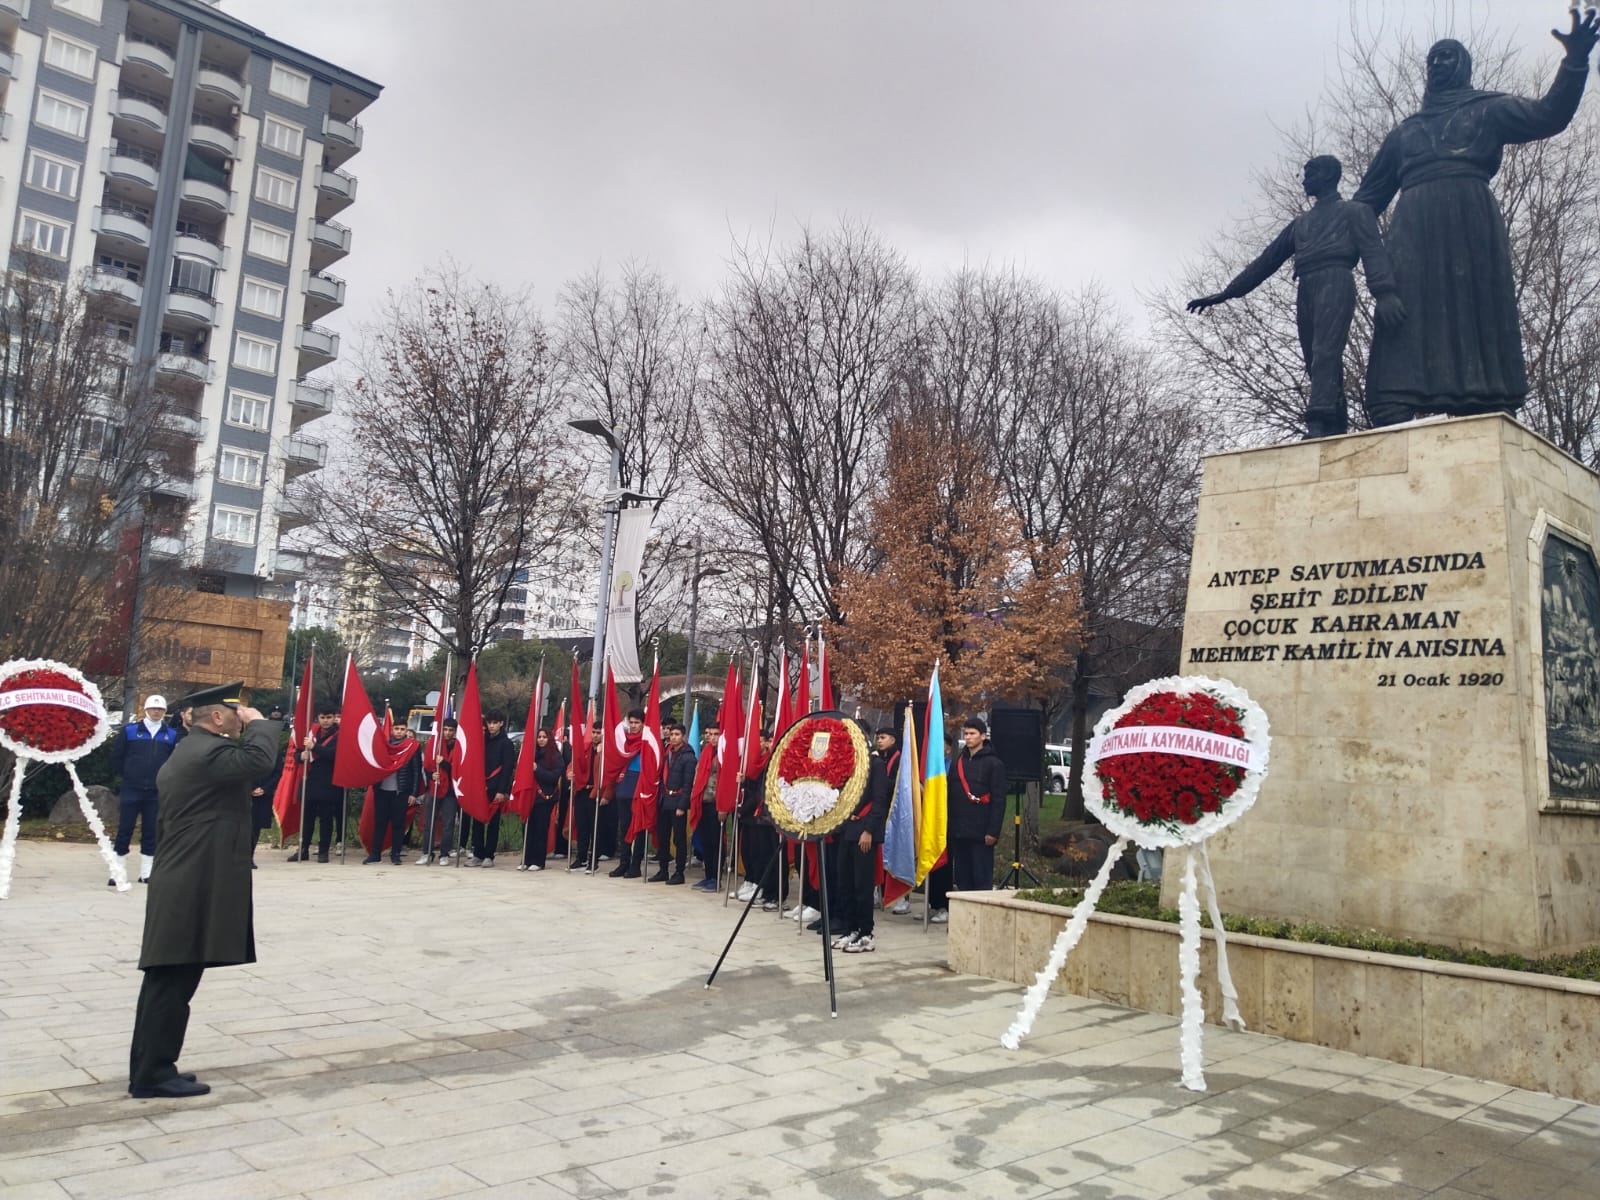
{"points": [[50, 713], [817, 761], [1176, 761]]}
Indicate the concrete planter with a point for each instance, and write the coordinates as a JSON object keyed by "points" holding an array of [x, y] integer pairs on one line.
{"points": [[1529, 1031]]}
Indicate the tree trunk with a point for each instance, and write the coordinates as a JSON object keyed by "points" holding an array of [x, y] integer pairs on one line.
{"points": [[1073, 810], [1032, 794]]}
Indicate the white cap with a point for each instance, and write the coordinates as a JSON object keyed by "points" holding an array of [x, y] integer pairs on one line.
{"points": [[155, 702]]}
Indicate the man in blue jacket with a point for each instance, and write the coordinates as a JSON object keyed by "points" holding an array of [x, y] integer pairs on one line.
{"points": [[672, 806], [140, 750]]}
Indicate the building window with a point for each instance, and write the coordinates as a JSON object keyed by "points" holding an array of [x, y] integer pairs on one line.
{"points": [[110, 264], [255, 354], [118, 330], [243, 467], [283, 137], [50, 174], [259, 296], [248, 410], [89, 10], [65, 54], [268, 241], [276, 189], [62, 115], [192, 277], [44, 235], [290, 85], [234, 525]]}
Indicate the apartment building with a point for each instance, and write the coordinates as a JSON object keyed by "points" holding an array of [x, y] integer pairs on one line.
{"points": [[192, 167]]}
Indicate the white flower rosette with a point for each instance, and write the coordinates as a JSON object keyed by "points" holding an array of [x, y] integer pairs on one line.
{"points": [[87, 701], [1257, 734]]}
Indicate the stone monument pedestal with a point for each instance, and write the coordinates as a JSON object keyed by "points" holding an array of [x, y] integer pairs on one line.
{"points": [[1417, 609]]}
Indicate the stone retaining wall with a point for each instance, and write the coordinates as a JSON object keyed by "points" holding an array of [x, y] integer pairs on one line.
{"points": [[1531, 1031]]}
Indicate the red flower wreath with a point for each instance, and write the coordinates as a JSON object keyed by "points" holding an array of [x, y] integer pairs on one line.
{"points": [[50, 728], [1170, 790], [837, 762]]}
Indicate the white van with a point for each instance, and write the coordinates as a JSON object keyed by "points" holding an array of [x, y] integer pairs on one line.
{"points": [[1058, 762]]}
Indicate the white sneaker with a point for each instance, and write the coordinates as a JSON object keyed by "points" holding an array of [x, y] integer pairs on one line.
{"points": [[843, 941], [603, 858], [483, 862], [790, 914], [424, 860], [860, 945], [473, 862], [901, 907], [531, 868], [444, 860], [746, 890], [939, 916], [809, 914]]}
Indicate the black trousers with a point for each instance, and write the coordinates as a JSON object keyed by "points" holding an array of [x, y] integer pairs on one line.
{"points": [[827, 876], [972, 864], [672, 837], [622, 817], [763, 861], [137, 804], [938, 885], [584, 810], [486, 837], [160, 1023], [388, 819], [321, 807], [858, 871], [563, 807], [536, 839], [708, 832]]}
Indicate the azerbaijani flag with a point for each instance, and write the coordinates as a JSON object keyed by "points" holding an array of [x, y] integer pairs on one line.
{"points": [[935, 808], [900, 833]]}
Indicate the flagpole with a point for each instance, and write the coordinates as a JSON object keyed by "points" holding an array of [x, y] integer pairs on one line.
{"points": [[294, 694], [305, 764], [344, 795]]}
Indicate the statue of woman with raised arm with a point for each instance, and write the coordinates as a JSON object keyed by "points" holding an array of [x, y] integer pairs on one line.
{"points": [[1460, 349]]}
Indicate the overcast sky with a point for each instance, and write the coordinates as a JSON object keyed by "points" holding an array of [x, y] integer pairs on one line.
{"points": [[534, 139]]}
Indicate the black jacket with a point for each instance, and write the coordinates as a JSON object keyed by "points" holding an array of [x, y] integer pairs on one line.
{"points": [[985, 778], [549, 767], [679, 781], [319, 771], [137, 754], [499, 763], [409, 778], [872, 811]]}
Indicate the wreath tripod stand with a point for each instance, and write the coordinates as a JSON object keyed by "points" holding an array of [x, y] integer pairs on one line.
{"points": [[1014, 877]]}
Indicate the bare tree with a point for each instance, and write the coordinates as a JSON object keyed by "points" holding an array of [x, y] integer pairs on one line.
{"points": [[457, 468], [92, 445], [809, 345], [1241, 362], [631, 353]]}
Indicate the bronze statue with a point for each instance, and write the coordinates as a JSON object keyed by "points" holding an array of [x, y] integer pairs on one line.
{"points": [[1325, 242], [1461, 351]]}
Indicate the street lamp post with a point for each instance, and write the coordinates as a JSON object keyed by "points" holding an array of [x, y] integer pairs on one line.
{"points": [[601, 430], [694, 613]]}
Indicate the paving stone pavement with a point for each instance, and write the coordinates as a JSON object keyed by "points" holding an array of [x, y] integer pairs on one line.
{"points": [[419, 1032]]}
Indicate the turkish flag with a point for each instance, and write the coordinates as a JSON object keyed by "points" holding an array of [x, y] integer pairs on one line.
{"points": [[730, 738], [800, 700], [466, 758], [286, 800], [826, 680], [365, 758], [650, 759], [522, 785], [579, 737]]}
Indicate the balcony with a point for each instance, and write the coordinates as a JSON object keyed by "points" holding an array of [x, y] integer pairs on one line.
{"points": [[133, 164], [330, 241], [346, 135], [168, 545], [304, 454], [122, 224], [185, 366], [108, 283], [206, 195], [326, 290], [170, 485], [7, 66], [318, 347], [12, 8], [209, 79], [336, 191], [191, 308], [187, 245], [190, 426], [311, 401], [291, 564], [213, 137], [293, 512], [139, 110], [150, 54]]}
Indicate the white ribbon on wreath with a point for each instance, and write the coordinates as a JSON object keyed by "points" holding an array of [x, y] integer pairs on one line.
{"points": [[808, 799]]}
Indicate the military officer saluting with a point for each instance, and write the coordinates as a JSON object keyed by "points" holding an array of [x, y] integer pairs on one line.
{"points": [[198, 913]]}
